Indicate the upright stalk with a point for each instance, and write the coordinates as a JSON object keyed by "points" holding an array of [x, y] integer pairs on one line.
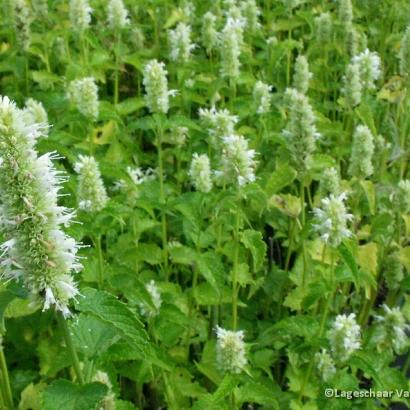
{"points": [[235, 273], [5, 381], [117, 69], [70, 346]]}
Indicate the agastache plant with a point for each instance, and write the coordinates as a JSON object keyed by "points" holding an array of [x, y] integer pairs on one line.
{"points": [[36, 250]]}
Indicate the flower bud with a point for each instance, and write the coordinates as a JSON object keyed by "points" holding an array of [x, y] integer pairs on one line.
{"points": [[302, 75], [200, 173], [362, 153], [83, 93], [117, 15]]}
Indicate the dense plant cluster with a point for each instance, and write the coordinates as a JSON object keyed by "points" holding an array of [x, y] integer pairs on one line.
{"points": [[204, 204]]}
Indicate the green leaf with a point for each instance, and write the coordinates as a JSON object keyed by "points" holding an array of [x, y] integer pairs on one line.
{"points": [[65, 395], [110, 310], [6, 297], [288, 204], [370, 193], [254, 242], [92, 336], [350, 260], [212, 269], [283, 176]]}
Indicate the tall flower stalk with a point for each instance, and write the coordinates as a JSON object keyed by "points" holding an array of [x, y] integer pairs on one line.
{"points": [[36, 251]]}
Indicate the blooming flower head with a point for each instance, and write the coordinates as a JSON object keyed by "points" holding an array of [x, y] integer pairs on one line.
{"points": [[23, 18], [323, 24], [302, 75], [403, 196], [148, 310], [83, 93], [251, 13], [352, 88], [156, 87], [230, 350], [238, 161], [344, 336], [180, 43], [80, 15], [200, 173], [209, 34], [230, 43], [370, 71], [220, 122], [36, 113], [362, 153], [36, 249], [345, 11], [117, 15], [92, 195], [392, 329], [262, 97], [300, 129], [325, 365], [330, 181], [332, 219]]}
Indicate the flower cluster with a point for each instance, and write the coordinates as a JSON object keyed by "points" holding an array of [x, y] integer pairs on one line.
{"points": [[251, 13], [262, 97], [325, 365], [92, 196], [83, 93], [362, 153], [231, 40], [209, 33], [352, 88], [35, 113], [40, 7], [404, 54], [156, 87], [238, 161], [117, 15], [392, 329], [302, 75], [230, 350], [220, 122], [370, 71], [323, 25], [344, 336], [332, 219], [330, 182], [80, 15], [200, 173], [36, 248], [300, 129], [180, 43], [22, 21]]}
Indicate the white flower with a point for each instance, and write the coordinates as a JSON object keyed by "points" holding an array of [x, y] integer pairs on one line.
{"points": [[238, 161], [117, 15], [302, 75], [325, 365], [230, 350], [80, 15], [262, 97], [370, 71], [38, 251], [83, 93], [156, 87], [36, 113], [344, 337], [91, 191], [332, 219], [200, 172], [362, 153], [220, 122], [180, 43]]}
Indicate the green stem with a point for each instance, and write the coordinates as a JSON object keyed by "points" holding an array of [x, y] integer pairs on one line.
{"points": [[100, 262], [5, 381], [162, 201], [70, 346], [117, 69], [235, 273]]}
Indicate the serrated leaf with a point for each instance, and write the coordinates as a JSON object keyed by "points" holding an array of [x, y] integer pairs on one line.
{"points": [[92, 336], [65, 395], [283, 176], [350, 260], [110, 310], [254, 242], [370, 193]]}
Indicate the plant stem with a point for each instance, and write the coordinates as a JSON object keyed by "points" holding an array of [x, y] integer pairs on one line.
{"points": [[235, 273], [117, 69], [100, 262], [5, 381], [70, 346], [162, 201]]}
